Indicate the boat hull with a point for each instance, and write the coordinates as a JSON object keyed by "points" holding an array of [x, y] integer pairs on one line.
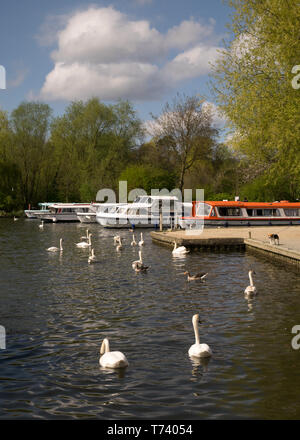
{"points": [[133, 222], [33, 213], [87, 217], [55, 218]]}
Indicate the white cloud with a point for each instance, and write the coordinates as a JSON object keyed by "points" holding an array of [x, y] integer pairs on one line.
{"points": [[108, 81], [191, 63], [102, 52], [189, 32]]}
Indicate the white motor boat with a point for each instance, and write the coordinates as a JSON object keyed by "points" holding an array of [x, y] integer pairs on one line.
{"points": [[32, 213], [144, 212], [64, 212]]}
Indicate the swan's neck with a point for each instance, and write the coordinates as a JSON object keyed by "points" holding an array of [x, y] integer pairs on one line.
{"points": [[104, 347], [60, 244], [140, 255], [251, 279], [196, 330], [175, 246]]}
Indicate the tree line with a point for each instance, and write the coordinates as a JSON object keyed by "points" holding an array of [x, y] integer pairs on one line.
{"points": [[93, 145]]}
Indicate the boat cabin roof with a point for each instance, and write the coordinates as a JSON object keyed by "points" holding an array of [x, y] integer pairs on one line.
{"points": [[69, 205], [235, 204]]}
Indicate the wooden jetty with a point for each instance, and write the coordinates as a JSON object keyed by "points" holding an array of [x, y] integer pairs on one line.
{"points": [[253, 238]]}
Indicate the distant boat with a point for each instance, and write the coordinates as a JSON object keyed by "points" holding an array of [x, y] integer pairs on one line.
{"points": [[63, 212], [236, 213], [32, 213]]}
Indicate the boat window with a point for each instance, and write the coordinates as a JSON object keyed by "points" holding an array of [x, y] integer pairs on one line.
{"points": [[250, 212], [203, 209], [271, 212], [132, 211], [142, 211], [230, 211], [144, 199], [122, 210], [292, 212], [264, 212]]}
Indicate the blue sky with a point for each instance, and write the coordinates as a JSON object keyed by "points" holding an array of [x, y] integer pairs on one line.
{"points": [[142, 50]]}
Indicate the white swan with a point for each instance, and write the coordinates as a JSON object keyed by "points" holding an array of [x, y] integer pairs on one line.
{"points": [[197, 349], [55, 249], [138, 265], [133, 243], [15, 219], [41, 225], [111, 359], [140, 261], [120, 245], [116, 239], [84, 244], [85, 237], [251, 290], [141, 242], [181, 250], [92, 257]]}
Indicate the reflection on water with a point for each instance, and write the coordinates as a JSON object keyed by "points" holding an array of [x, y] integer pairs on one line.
{"points": [[57, 308], [199, 365]]}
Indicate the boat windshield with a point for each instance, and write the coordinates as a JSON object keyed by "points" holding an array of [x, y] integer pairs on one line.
{"points": [[202, 209], [122, 210]]}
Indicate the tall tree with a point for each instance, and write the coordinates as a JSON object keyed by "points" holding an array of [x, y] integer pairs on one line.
{"points": [[186, 127], [252, 85], [93, 142], [30, 125]]}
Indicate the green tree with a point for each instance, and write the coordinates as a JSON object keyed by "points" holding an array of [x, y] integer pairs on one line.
{"points": [[93, 142], [147, 178], [252, 85], [28, 150]]}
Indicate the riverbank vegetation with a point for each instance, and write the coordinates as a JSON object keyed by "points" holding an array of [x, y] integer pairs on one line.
{"points": [[93, 145]]}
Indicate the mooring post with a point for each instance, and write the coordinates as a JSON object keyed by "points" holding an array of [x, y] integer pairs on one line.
{"points": [[249, 232], [160, 216]]}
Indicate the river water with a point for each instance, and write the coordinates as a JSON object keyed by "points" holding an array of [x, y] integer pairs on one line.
{"points": [[56, 309]]}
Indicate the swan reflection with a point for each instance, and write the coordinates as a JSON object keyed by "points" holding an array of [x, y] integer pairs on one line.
{"points": [[119, 372], [199, 365]]}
